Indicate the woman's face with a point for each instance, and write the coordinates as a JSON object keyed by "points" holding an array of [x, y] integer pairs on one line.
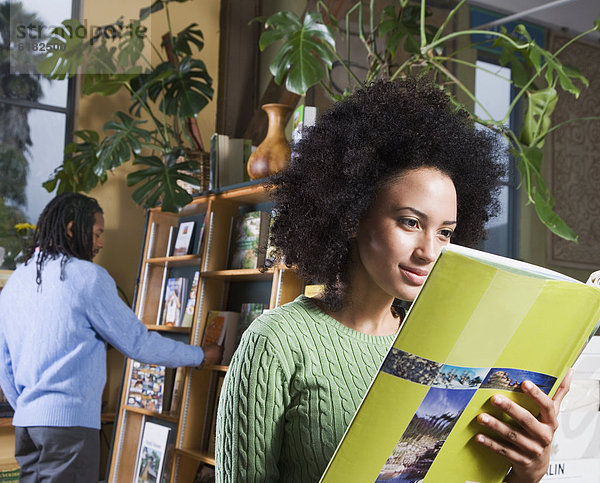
{"points": [[411, 218]]}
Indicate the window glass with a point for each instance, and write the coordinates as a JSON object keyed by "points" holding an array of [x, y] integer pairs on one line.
{"points": [[493, 90], [35, 121]]}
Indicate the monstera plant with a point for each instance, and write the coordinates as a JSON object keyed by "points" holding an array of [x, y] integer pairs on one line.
{"points": [[159, 132], [398, 42]]}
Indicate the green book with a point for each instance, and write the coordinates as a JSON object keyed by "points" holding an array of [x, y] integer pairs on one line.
{"points": [[480, 325], [249, 234]]}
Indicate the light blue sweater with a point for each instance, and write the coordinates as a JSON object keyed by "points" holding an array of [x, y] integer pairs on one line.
{"points": [[52, 342]]}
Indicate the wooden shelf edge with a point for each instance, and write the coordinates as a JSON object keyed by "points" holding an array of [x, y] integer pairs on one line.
{"points": [[146, 412], [202, 456], [241, 274], [5, 422], [181, 260], [169, 328]]}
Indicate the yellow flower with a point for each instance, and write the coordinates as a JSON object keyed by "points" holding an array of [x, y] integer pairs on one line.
{"points": [[24, 226]]}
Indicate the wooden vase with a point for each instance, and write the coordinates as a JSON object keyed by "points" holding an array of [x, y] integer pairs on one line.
{"points": [[273, 153]]}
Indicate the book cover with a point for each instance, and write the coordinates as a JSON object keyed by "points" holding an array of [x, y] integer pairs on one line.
{"points": [[249, 234], [480, 325], [217, 322], [151, 453], [248, 312], [177, 389], [304, 116], [188, 314], [231, 332], [184, 238], [175, 292], [146, 386], [231, 166]]}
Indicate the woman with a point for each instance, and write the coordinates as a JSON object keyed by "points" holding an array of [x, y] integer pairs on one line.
{"points": [[381, 183]]}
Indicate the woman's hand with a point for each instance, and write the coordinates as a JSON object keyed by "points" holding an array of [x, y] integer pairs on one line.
{"points": [[527, 447]]}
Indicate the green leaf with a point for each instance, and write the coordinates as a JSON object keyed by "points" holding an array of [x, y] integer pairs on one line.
{"points": [[70, 53], [155, 7], [126, 137], [79, 171], [159, 181], [554, 222], [537, 120], [185, 89], [186, 38], [306, 52]]}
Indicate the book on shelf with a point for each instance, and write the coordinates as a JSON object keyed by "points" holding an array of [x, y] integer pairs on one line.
{"points": [[200, 238], [188, 314], [6, 410], [177, 389], [480, 325], [213, 414], [151, 453], [146, 386], [184, 238], [248, 312], [218, 322], [174, 299], [205, 474], [231, 334], [248, 240], [304, 116], [232, 165]]}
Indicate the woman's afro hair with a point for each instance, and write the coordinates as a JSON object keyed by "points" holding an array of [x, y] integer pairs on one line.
{"points": [[361, 142]]}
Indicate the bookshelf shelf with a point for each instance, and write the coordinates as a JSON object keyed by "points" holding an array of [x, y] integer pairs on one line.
{"points": [[248, 274], [218, 289], [169, 328], [5, 422], [179, 261], [146, 412], [201, 456]]}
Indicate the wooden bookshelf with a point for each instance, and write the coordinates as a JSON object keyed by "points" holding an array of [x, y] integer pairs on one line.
{"points": [[219, 289]]}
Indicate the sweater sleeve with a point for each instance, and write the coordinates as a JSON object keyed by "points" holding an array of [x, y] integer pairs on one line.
{"points": [[7, 381], [250, 418], [116, 323]]}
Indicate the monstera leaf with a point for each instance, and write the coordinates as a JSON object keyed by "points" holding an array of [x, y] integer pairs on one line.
{"points": [[159, 181], [126, 137], [81, 170], [185, 89], [307, 47], [68, 53]]}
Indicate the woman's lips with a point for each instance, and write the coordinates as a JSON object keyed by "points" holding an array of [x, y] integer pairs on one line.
{"points": [[414, 275]]}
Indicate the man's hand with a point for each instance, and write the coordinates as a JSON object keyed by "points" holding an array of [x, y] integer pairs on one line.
{"points": [[212, 354], [528, 446]]}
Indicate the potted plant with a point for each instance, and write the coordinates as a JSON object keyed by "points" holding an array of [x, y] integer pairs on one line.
{"points": [[169, 95], [400, 43]]}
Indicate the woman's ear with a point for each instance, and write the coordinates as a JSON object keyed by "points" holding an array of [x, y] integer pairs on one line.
{"points": [[70, 229]]}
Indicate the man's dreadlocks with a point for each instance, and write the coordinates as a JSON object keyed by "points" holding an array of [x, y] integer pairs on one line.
{"points": [[51, 237]]}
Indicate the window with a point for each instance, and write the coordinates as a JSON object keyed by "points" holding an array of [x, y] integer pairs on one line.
{"points": [[37, 118], [493, 90]]}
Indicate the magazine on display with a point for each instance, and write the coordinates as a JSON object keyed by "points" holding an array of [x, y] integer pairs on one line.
{"points": [[480, 325]]}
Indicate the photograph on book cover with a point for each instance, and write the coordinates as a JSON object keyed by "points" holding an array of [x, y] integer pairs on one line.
{"points": [[151, 453], [425, 435], [452, 388]]}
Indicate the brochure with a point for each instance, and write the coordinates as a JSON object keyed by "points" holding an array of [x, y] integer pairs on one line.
{"points": [[480, 325]]}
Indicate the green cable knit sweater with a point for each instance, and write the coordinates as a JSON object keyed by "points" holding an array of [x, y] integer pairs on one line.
{"points": [[291, 390]]}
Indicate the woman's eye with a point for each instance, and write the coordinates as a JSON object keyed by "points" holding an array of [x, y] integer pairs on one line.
{"points": [[446, 233], [409, 222]]}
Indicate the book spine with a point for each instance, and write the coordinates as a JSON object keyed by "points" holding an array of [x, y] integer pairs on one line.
{"points": [[151, 240], [142, 304], [162, 295], [170, 241], [177, 389]]}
